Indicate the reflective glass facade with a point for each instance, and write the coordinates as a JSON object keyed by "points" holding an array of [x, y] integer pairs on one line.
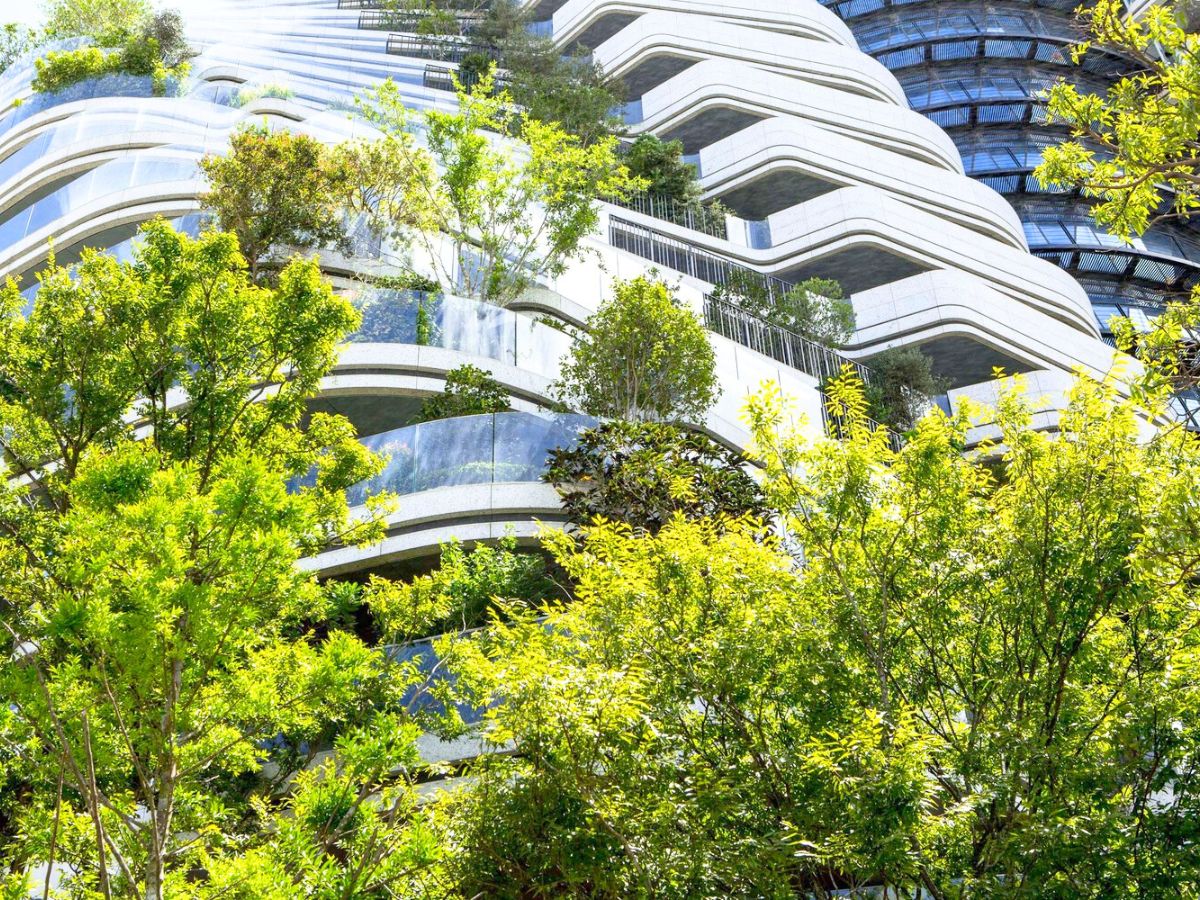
{"points": [[979, 70]]}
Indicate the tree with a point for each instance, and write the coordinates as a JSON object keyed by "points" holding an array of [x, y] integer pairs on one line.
{"points": [[1032, 617], [276, 190], [660, 164], [511, 214], [643, 357], [964, 676], [684, 727], [646, 473], [815, 309], [16, 40], [570, 91], [902, 387], [462, 592], [470, 391], [107, 22], [163, 642], [1134, 149]]}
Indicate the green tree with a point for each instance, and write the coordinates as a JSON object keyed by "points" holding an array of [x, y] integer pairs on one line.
{"points": [[107, 22], [645, 473], [903, 386], [15, 41], [660, 164], [967, 676], [470, 391], [511, 214], [276, 191], [643, 357], [462, 592], [684, 727], [163, 643], [816, 308], [1134, 148]]}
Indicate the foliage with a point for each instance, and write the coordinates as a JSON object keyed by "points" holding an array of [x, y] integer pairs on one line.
{"points": [[644, 357], [473, 68], [902, 388], [971, 677], [1035, 622], [512, 215], [815, 309], [660, 164], [462, 592], [470, 391], [138, 57], [162, 633], [644, 474], [276, 190], [107, 22], [682, 728], [16, 40], [570, 91], [247, 95], [1134, 149]]}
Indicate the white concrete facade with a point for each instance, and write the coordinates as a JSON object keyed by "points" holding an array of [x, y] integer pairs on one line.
{"points": [[808, 139]]}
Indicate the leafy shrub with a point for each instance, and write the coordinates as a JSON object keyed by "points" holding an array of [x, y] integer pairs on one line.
{"points": [[644, 357], [815, 309], [660, 163], [470, 391], [903, 387], [645, 473], [139, 57], [247, 95]]}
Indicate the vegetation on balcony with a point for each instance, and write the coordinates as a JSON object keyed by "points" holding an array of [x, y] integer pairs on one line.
{"points": [[126, 42], [479, 191], [643, 357]]}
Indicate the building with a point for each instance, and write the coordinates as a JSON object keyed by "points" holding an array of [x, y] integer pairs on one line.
{"points": [[979, 70], [807, 139]]}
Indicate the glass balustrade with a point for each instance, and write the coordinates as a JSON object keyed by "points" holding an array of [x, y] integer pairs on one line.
{"points": [[485, 449], [111, 178], [456, 323]]}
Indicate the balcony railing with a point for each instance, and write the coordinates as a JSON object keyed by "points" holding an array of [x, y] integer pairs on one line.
{"points": [[444, 49], [508, 447], [777, 342], [456, 323], [693, 216]]}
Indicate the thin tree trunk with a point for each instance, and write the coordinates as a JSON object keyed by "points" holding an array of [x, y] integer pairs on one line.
{"points": [[94, 806]]}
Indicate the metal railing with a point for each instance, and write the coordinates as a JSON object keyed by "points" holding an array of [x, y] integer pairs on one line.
{"points": [[838, 425], [693, 216], [376, 19], [444, 49], [775, 341], [441, 78], [683, 257]]}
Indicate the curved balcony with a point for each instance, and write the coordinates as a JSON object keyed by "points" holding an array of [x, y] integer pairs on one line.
{"points": [[456, 323], [497, 448], [116, 85], [109, 179]]}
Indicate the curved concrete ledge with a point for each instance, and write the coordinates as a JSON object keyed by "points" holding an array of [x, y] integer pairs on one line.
{"points": [[475, 513], [658, 45], [679, 108], [864, 238], [778, 163], [132, 206], [591, 22], [944, 304]]}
